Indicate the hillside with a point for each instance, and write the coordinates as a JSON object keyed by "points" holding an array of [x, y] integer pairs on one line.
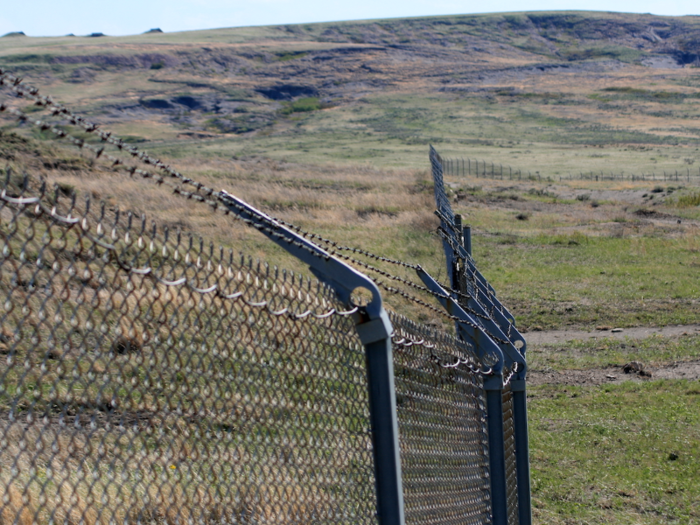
{"points": [[501, 87]]}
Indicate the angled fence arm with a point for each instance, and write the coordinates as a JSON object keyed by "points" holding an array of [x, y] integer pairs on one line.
{"points": [[374, 329]]}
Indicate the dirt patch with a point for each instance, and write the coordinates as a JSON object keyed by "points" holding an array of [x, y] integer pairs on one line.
{"points": [[640, 332], [632, 371], [598, 376]]}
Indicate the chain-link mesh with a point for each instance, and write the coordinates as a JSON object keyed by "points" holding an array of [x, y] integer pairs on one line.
{"points": [[443, 203], [441, 412], [511, 466], [147, 378]]}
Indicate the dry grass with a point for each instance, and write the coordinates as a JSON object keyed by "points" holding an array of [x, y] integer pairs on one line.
{"points": [[67, 477]]}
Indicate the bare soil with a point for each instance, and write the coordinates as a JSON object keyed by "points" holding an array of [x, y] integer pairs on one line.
{"points": [[616, 374], [598, 376], [639, 332]]}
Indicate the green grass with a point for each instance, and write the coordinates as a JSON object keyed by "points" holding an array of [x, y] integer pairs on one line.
{"points": [[688, 200], [553, 281], [621, 454], [302, 105]]}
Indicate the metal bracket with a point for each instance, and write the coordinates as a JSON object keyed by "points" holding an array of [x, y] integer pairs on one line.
{"points": [[483, 344], [373, 322], [374, 329], [508, 350]]}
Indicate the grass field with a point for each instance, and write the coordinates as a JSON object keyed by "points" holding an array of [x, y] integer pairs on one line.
{"points": [[619, 454]]}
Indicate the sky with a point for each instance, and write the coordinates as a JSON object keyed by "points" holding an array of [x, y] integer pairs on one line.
{"points": [[130, 17]]}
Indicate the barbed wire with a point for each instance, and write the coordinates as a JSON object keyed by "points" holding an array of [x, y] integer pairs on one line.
{"points": [[336, 246], [408, 342], [361, 251], [32, 93], [39, 209]]}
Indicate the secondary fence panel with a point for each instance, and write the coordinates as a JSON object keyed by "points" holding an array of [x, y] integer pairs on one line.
{"points": [[442, 423]]}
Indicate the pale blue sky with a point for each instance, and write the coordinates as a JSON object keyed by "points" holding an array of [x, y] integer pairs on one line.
{"points": [[127, 17]]}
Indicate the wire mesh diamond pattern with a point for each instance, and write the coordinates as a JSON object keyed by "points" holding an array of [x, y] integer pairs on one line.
{"points": [[146, 377], [442, 427]]}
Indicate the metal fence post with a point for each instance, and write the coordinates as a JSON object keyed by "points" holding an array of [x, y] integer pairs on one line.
{"points": [[497, 452], [385, 427], [468, 239], [522, 448]]}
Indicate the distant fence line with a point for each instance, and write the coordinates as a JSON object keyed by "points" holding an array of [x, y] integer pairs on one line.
{"points": [[151, 378], [492, 170]]}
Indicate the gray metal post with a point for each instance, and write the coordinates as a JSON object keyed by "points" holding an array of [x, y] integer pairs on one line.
{"points": [[522, 450], [385, 429], [497, 451], [468, 239]]}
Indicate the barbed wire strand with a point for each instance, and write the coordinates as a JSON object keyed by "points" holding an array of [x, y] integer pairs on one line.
{"points": [[69, 221]]}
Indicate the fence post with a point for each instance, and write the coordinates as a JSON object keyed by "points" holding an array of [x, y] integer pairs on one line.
{"points": [[385, 427], [374, 329], [522, 447], [468, 239], [497, 450]]}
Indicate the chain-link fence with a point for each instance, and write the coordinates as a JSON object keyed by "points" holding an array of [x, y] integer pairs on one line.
{"points": [[442, 426], [506, 410], [149, 377]]}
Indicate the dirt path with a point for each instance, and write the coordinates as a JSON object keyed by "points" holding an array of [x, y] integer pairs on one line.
{"points": [[641, 332], [598, 376]]}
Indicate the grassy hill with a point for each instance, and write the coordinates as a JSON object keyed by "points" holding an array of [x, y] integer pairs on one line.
{"points": [[510, 87], [327, 125]]}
